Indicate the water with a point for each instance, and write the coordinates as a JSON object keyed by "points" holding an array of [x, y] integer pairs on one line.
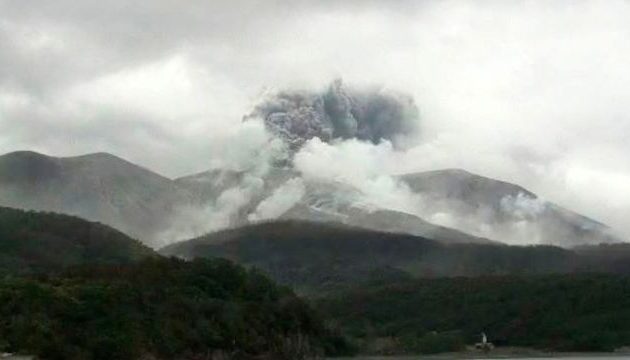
{"points": [[445, 357]]}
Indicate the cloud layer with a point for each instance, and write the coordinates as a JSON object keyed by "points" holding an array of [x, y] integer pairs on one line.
{"points": [[530, 92]]}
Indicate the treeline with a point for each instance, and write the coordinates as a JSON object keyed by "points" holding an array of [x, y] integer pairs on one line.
{"points": [[553, 312], [320, 256], [159, 308], [72, 289], [42, 242]]}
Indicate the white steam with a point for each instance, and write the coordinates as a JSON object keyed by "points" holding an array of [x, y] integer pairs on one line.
{"points": [[282, 199], [289, 156], [249, 150], [361, 165]]}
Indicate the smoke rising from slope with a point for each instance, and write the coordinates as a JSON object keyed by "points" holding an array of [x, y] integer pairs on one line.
{"points": [[280, 201], [533, 92], [249, 153], [505, 212], [357, 142]]}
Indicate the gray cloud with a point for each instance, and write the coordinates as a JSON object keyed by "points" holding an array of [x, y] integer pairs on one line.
{"points": [[530, 92], [338, 112]]}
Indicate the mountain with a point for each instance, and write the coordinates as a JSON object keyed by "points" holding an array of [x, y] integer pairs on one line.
{"points": [[455, 207], [503, 211], [208, 185], [313, 255], [378, 220], [32, 242], [321, 201], [310, 254], [99, 187]]}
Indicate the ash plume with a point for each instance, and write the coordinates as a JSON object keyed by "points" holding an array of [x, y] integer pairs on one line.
{"points": [[338, 112]]}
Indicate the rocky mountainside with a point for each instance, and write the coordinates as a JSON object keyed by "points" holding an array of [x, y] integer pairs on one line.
{"points": [[317, 200], [453, 206], [98, 187], [501, 210]]}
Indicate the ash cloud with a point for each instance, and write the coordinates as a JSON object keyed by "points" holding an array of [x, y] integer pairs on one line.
{"points": [[338, 112]]}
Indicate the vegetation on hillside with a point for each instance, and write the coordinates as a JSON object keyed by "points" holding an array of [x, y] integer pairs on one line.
{"points": [[312, 256], [159, 308], [72, 289], [582, 312], [35, 241]]}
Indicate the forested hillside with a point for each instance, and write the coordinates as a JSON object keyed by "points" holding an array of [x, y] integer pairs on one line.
{"points": [[159, 308], [553, 312], [34, 241], [315, 256]]}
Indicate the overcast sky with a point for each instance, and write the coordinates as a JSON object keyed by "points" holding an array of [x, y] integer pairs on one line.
{"points": [[533, 92]]}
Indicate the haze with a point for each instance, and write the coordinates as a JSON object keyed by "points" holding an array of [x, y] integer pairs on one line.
{"points": [[535, 93]]}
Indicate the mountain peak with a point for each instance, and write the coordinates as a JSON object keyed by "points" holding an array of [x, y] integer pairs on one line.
{"points": [[459, 180], [29, 155], [98, 155], [25, 155]]}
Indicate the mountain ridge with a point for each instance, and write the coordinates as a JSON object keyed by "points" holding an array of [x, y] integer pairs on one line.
{"points": [[314, 256], [154, 208], [99, 187]]}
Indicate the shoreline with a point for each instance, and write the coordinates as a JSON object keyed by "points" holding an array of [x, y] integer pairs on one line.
{"points": [[500, 353]]}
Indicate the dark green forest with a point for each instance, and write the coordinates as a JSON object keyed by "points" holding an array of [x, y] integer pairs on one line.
{"points": [[315, 257], [164, 308], [73, 289], [35, 242], [583, 312]]}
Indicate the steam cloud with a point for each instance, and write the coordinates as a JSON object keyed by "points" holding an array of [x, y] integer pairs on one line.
{"points": [[342, 148], [532, 92], [338, 113]]}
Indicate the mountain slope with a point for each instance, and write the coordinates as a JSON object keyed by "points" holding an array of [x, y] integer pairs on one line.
{"points": [[99, 187], [308, 254], [381, 220], [320, 200], [313, 255], [455, 206], [32, 241], [501, 210]]}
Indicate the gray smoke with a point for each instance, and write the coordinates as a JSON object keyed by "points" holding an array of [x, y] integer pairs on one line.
{"points": [[338, 113]]}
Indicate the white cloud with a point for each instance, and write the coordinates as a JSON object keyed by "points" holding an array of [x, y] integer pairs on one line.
{"points": [[364, 166], [531, 92], [280, 201]]}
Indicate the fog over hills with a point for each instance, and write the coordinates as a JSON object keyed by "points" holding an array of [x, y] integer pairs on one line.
{"points": [[453, 206], [488, 207]]}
